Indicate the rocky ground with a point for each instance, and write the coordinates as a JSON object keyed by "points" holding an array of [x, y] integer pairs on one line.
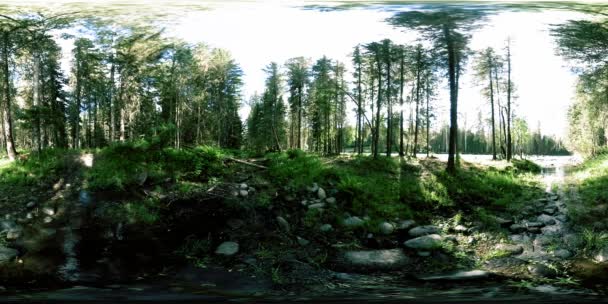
{"points": [[68, 237]]}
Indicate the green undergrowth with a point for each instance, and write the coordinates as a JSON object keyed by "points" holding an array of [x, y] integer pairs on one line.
{"points": [[590, 206], [388, 188], [122, 165]]}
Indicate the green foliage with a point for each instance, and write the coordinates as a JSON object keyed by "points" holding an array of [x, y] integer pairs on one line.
{"points": [[122, 165], [525, 165], [36, 168], [145, 211], [296, 170], [594, 240]]}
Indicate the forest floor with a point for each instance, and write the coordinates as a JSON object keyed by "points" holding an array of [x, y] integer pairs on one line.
{"points": [[212, 222]]}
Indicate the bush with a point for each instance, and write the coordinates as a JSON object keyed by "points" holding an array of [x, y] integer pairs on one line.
{"points": [[525, 165]]}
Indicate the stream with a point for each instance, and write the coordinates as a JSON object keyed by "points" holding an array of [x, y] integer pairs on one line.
{"points": [[201, 285]]}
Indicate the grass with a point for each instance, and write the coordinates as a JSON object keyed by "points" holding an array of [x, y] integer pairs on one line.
{"points": [[590, 180]]}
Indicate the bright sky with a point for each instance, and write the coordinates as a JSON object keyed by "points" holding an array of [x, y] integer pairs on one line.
{"points": [[258, 33]]}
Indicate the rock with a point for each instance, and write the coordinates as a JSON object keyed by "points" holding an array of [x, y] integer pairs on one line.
{"points": [[304, 202], [47, 219], [372, 260], [534, 224], [502, 221], [425, 242], [48, 211], [321, 194], [243, 186], [534, 230], [283, 223], [235, 193], [457, 276], [516, 238], [31, 205], [227, 248], [550, 210], [29, 216], [243, 192], [302, 242], [7, 254], [561, 217], [7, 225], [235, 223], [562, 253], [471, 240], [542, 270], [546, 219], [406, 224], [552, 230], [326, 228], [330, 200], [510, 249], [572, 240], [424, 230], [517, 228], [13, 234], [542, 240], [602, 255], [386, 228], [460, 229], [353, 222], [316, 206], [314, 188], [450, 238], [342, 276], [554, 197]]}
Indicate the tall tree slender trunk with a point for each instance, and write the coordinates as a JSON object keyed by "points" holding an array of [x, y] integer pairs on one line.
{"points": [[416, 123], [378, 104], [490, 68], [389, 106], [401, 85], [452, 66], [6, 113], [36, 102], [428, 117], [509, 141]]}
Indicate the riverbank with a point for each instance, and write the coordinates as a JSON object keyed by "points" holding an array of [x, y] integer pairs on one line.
{"points": [[291, 224]]}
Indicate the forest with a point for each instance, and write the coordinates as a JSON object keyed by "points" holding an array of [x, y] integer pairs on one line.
{"points": [[136, 164]]}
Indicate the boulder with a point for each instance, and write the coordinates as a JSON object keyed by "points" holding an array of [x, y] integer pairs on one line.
{"points": [[572, 240], [283, 224], [405, 224], [372, 260], [321, 194], [601, 256], [461, 229], [316, 206], [353, 222], [542, 270], [314, 188], [7, 254], [546, 219], [48, 211], [227, 248], [517, 228], [386, 228], [425, 242], [243, 186], [562, 253], [534, 224], [243, 192], [326, 228], [457, 276], [550, 210], [330, 200], [31, 205], [13, 234], [503, 222], [424, 230], [510, 249]]}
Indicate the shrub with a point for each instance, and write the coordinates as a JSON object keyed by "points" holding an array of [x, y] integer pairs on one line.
{"points": [[525, 165]]}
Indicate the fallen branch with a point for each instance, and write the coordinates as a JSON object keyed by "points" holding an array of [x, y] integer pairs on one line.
{"points": [[246, 163]]}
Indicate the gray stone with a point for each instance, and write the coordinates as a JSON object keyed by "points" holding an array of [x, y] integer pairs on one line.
{"points": [[554, 197], [353, 222], [314, 188], [243, 186], [471, 240], [235, 223], [534, 224], [457, 276], [550, 210], [602, 255], [304, 202], [423, 253], [243, 192], [48, 211], [572, 240], [321, 193], [542, 270], [425, 242], [31, 205], [516, 238], [316, 206], [502, 221], [546, 219], [302, 241], [460, 229], [406, 224], [561, 217], [535, 230], [330, 200], [543, 240], [450, 238], [47, 219], [510, 249], [386, 228], [13, 234], [517, 228], [283, 223], [552, 230], [7, 225], [227, 248], [372, 260], [562, 253], [7, 254], [424, 230], [326, 228]]}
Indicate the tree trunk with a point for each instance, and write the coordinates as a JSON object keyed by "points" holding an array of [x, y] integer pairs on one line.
{"points": [[416, 122], [401, 85], [378, 104], [36, 102], [492, 107], [509, 142], [6, 113], [451, 167]]}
